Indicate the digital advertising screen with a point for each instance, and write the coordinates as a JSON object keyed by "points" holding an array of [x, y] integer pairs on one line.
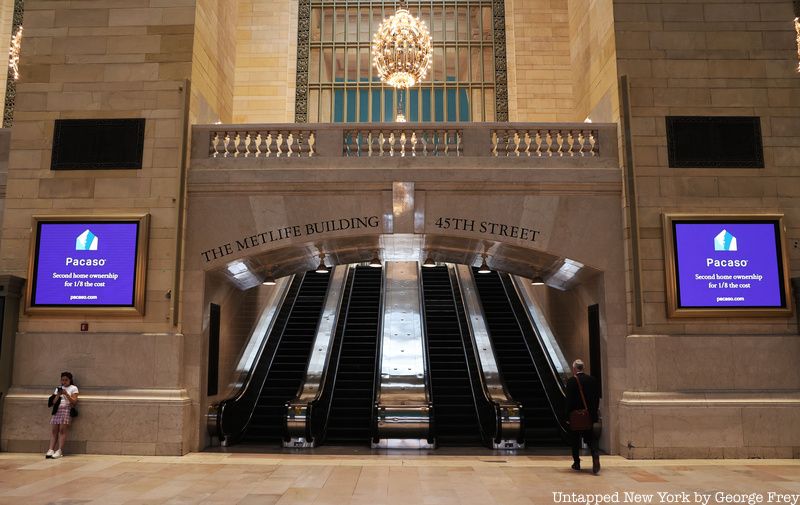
{"points": [[92, 263], [717, 266]]}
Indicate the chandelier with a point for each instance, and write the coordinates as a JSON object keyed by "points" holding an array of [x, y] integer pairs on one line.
{"points": [[401, 51]]}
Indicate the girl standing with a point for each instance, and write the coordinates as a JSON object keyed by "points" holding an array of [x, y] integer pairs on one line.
{"points": [[66, 397]]}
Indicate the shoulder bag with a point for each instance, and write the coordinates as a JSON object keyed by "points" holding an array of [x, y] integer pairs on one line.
{"points": [[580, 419]]}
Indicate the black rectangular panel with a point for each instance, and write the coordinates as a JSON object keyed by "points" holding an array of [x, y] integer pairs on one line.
{"points": [[595, 365], [213, 350], [86, 144], [2, 314], [714, 142]]}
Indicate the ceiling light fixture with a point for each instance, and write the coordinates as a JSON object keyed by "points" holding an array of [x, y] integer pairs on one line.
{"points": [[537, 281], [402, 52], [429, 263], [322, 268], [484, 268], [269, 281], [375, 262]]}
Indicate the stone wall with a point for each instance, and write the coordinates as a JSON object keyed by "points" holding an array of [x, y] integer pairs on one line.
{"points": [[266, 61], [701, 386], [212, 56], [540, 80], [102, 59], [593, 60]]}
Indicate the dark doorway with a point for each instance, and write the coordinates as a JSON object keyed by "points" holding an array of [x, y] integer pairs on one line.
{"points": [[213, 349], [595, 365]]}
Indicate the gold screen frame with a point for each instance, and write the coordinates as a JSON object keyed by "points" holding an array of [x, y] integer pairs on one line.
{"points": [[140, 273], [673, 310]]}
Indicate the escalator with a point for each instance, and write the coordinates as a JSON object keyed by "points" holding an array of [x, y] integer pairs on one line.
{"points": [[520, 360], [280, 369], [350, 414], [455, 413]]}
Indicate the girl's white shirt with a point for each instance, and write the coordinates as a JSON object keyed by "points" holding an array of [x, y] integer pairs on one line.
{"points": [[70, 390]]}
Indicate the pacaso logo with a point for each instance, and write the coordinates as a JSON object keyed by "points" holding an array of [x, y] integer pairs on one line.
{"points": [[724, 241], [86, 241]]}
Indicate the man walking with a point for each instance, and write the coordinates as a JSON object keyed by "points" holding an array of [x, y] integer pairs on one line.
{"points": [[583, 393]]}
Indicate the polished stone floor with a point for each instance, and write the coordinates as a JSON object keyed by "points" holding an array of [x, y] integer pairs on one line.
{"points": [[374, 479]]}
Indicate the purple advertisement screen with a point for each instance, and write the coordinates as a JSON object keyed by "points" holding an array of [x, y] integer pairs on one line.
{"points": [[89, 264], [728, 264]]}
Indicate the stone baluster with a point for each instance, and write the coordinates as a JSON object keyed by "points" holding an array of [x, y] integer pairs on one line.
{"points": [[311, 141], [526, 140], [227, 144], [551, 142], [571, 142], [247, 141], [215, 141]]}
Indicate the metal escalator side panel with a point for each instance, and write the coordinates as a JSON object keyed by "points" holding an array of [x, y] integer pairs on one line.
{"points": [[509, 421], [403, 412], [298, 430], [234, 413], [320, 408]]}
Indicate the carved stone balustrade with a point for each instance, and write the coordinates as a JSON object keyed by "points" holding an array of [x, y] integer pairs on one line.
{"points": [[568, 145]]}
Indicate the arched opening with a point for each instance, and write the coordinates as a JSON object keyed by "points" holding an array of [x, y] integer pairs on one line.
{"points": [[560, 304]]}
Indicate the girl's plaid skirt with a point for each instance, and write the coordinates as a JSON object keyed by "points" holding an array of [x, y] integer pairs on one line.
{"points": [[62, 414]]}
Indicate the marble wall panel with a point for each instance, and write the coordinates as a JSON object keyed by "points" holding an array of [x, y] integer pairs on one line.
{"points": [[687, 363], [690, 427], [105, 425], [771, 426], [98, 359]]}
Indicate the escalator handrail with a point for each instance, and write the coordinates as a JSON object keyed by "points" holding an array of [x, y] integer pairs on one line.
{"points": [[247, 395], [314, 379], [553, 394], [495, 389], [479, 391], [376, 382]]}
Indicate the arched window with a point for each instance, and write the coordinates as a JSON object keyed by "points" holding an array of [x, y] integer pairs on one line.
{"points": [[336, 81]]}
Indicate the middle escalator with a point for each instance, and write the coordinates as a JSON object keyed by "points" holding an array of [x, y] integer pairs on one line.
{"points": [[455, 412], [350, 416]]}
